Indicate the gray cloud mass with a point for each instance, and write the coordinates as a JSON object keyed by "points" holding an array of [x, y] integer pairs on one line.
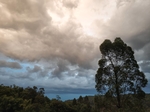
{"points": [[13, 65]]}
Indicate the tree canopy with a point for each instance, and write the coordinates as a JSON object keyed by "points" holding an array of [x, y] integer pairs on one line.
{"points": [[32, 99], [118, 73]]}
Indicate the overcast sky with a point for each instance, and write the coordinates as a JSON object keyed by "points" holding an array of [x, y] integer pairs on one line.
{"points": [[55, 43]]}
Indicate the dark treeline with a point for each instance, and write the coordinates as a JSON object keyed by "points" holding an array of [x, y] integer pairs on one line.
{"points": [[19, 99]]}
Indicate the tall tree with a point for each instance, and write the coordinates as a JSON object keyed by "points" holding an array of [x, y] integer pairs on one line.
{"points": [[118, 73]]}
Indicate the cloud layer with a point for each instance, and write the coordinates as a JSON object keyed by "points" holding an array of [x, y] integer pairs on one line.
{"points": [[55, 44]]}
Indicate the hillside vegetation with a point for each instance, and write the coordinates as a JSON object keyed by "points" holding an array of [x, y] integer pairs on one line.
{"points": [[19, 99]]}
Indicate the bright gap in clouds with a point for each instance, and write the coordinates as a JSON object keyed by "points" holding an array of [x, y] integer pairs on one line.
{"points": [[98, 10], [88, 12], [56, 18]]}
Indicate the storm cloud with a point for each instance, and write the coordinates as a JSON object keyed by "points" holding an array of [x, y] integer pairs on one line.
{"points": [[13, 65]]}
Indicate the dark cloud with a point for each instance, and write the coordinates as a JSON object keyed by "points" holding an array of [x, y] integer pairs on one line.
{"points": [[121, 3], [145, 66], [38, 71], [35, 69], [13, 65], [14, 77], [146, 55], [128, 21], [21, 76], [60, 69], [70, 91], [70, 3], [140, 40], [23, 15]]}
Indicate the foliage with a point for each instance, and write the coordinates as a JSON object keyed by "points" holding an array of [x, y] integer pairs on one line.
{"points": [[18, 99], [118, 73]]}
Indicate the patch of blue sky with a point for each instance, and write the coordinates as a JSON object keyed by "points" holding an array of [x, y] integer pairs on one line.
{"points": [[65, 97]]}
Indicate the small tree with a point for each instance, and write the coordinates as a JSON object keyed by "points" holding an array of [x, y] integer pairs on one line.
{"points": [[74, 102], [118, 73], [86, 100], [58, 97], [80, 99]]}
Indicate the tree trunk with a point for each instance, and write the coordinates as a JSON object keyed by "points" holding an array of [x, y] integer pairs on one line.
{"points": [[117, 89], [118, 98], [118, 93]]}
